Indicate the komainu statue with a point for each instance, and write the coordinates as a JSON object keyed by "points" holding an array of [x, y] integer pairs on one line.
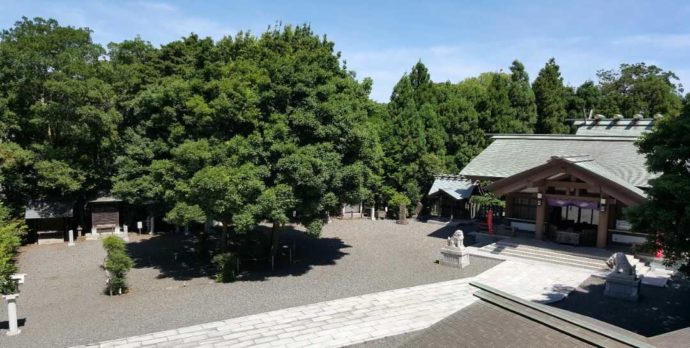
{"points": [[454, 254], [622, 282], [619, 264], [457, 240]]}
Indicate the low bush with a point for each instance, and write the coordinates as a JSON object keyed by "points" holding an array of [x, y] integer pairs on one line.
{"points": [[11, 232], [117, 264], [227, 264]]}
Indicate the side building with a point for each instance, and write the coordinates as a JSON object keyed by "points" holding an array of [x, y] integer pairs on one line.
{"points": [[569, 188]]}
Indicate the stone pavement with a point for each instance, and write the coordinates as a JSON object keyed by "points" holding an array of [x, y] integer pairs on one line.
{"points": [[362, 318], [326, 324], [534, 281]]}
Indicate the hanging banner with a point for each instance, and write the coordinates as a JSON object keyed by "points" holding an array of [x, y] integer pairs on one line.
{"points": [[572, 202]]}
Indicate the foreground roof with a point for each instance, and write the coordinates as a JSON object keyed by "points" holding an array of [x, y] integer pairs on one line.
{"points": [[48, 210], [508, 155], [455, 186], [499, 319], [625, 127]]}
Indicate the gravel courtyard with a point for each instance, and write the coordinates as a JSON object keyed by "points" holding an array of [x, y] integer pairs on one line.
{"points": [[62, 303]]}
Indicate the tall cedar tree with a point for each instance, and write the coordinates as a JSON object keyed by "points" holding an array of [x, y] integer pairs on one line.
{"points": [[522, 99], [414, 136], [550, 97]]}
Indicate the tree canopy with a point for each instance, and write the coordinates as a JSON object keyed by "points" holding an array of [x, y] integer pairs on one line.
{"points": [[270, 127], [665, 215]]}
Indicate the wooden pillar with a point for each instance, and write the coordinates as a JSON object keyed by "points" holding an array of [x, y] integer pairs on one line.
{"points": [[603, 225], [541, 214]]}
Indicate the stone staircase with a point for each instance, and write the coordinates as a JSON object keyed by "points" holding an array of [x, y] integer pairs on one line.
{"points": [[507, 249], [594, 260]]}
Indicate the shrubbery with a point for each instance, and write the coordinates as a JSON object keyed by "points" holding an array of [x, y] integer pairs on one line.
{"points": [[227, 264], [11, 232], [117, 264]]}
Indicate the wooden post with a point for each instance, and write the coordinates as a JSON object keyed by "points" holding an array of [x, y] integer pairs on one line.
{"points": [[603, 225], [541, 214]]}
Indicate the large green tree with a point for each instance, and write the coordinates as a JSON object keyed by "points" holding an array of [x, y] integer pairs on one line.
{"points": [[640, 89], [414, 139], [221, 130], [550, 97], [665, 215], [522, 99], [60, 127]]}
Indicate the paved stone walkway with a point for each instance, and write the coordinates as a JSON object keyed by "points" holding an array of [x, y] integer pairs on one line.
{"points": [[362, 318], [326, 324], [534, 281]]}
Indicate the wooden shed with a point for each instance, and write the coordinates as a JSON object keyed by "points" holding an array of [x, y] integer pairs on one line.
{"points": [[49, 222], [105, 214]]}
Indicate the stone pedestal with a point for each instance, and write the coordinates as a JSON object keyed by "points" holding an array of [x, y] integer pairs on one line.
{"points": [[12, 314], [93, 235], [454, 254], [622, 286], [454, 257]]}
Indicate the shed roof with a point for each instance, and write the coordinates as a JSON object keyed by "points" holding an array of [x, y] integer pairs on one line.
{"points": [[457, 187], [48, 210], [625, 127], [105, 199], [508, 155]]}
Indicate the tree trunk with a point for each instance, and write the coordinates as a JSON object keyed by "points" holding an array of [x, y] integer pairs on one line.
{"points": [[402, 215], [224, 237], [275, 238]]}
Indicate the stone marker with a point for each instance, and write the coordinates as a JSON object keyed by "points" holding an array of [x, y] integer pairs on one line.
{"points": [[71, 238], [125, 230], [93, 235], [622, 282], [454, 254], [12, 314]]}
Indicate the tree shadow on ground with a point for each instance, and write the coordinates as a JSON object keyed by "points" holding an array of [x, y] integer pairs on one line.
{"points": [[173, 255], [556, 293], [658, 311], [307, 252], [184, 258], [5, 325]]}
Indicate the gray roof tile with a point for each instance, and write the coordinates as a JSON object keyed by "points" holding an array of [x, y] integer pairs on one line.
{"points": [[508, 155], [455, 186]]}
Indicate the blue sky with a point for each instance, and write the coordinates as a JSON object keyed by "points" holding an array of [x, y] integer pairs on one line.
{"points": [[383, 39]]}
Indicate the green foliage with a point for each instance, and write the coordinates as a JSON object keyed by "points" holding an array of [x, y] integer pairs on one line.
{"points": [[117, 263], [550, 97], [11, 232], [487, 199], [522, 99], [665, 215], [227, 264], [56, 106], [639, 88], [314, 228], [255, 128], [399, 199]]}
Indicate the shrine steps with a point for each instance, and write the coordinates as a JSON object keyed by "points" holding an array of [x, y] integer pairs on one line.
{"points": [[504, 248], [564, 255]]}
